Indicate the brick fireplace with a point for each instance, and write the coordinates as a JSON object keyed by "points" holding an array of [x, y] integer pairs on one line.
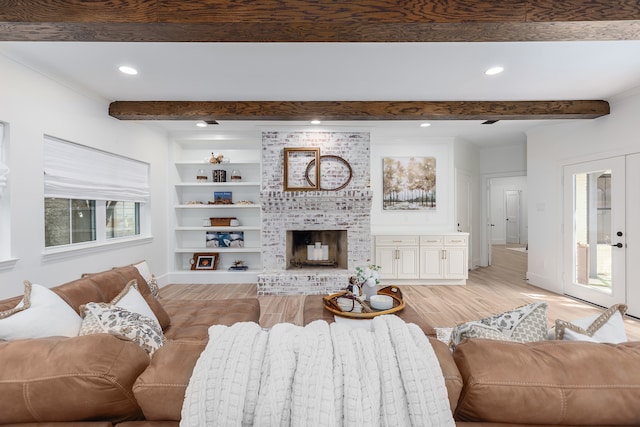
{"points": [[314, 212]]}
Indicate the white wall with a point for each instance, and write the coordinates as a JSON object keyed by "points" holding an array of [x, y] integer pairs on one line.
{"points": [[414, 222], [549, 149], [33, 105], [500, 161]]}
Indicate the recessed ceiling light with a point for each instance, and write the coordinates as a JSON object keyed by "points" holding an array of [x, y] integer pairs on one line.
{"points": [[425, 125], [128, 70], [315, 122], [201, 124], [494, 70]]}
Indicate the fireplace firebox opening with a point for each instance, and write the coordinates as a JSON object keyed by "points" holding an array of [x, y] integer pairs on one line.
{"points": [[317, 249]]}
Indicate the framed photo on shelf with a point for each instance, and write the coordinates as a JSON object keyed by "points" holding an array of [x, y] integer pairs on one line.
{"points": [[218, 239], [205, 261], [222, 198]]}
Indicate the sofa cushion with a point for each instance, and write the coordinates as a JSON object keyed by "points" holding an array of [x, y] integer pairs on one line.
{"points": [[69, 379], [40, 313], [450, 372], [549, 382], [161, 388], [527, 323], [191, 319]]}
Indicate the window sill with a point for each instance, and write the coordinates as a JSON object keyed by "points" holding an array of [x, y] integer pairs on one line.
{"points": [[8, 264], [69, 251]]}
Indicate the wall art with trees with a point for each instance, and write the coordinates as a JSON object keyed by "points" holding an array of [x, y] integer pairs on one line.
{"points": [[409, 183]]}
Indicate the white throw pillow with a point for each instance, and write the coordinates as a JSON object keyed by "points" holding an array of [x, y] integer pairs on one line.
{"points": [[41, 313], [145, 272], [607, 327], [132, 300]]}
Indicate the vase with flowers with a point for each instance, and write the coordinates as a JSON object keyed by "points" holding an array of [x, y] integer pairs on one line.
{"points": [[368, 277]]}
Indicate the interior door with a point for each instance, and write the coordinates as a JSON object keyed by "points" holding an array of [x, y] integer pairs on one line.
{"points": [[594, 231], [512, 213]]}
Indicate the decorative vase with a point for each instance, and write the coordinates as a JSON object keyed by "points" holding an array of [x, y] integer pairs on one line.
{"points": [[369, 288]]}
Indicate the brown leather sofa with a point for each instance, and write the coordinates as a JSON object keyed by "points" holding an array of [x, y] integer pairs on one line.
{"points": [[101, 380]]}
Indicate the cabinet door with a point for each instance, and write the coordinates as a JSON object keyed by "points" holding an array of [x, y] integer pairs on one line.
{"points": [[408, 262], [431, 262], [455, 263], [386, 259]]}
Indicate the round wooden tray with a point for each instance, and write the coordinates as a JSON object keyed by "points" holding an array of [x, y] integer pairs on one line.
{"points": [[394, 292]]}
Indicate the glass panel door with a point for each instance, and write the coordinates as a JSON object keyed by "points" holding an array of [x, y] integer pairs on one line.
{"points": [[594, 231]]}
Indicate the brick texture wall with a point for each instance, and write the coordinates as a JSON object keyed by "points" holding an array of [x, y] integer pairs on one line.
{"points": [[345, 209]]}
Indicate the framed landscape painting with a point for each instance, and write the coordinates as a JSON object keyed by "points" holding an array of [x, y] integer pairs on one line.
{"points": [[409, 183]]}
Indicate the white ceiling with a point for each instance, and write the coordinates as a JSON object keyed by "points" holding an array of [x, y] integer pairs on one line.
{"points": [[344, 71]]}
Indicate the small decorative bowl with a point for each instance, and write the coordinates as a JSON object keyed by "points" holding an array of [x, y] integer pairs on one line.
{"points": [[381, 302]]}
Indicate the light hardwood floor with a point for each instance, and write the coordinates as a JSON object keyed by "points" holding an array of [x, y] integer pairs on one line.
{"points": [[489, 290]]}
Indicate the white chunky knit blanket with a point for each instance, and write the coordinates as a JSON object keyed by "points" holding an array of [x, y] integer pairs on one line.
{"points": [[318, 375]]}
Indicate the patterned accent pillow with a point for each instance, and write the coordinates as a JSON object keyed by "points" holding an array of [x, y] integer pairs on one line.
{"points": [[103, 318], [606, 327], [527, 323], [153, 286]]}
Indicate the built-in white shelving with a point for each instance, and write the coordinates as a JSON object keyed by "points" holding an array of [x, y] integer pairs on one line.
{"points": [[194, 206]]}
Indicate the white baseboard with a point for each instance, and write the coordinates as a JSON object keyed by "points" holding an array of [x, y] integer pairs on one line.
{"points": [[543, 282]]}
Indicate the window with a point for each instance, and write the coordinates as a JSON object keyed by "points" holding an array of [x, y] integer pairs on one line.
{"points": [[123, 219], [69, 221], [91, 195]]}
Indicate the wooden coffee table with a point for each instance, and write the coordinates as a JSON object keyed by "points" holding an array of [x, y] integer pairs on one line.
{"points": [[313, 309]]}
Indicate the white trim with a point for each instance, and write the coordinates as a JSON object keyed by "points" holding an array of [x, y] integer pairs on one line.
{"points": [[71, 250], [8, 264], [4, 169]]}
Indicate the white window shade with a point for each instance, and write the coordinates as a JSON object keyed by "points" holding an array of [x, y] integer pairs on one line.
{"points": [[73, 171], [4, 169]]}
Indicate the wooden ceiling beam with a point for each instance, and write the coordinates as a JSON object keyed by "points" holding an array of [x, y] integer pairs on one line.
{"points": [[316, 21], [357, 110]]}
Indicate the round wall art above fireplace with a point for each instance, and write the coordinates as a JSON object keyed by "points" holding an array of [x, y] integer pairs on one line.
{"points": [[335, 173]]}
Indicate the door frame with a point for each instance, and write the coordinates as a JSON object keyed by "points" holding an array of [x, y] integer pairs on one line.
{"points": [[469, 201], [485, 190], [569, 287]]}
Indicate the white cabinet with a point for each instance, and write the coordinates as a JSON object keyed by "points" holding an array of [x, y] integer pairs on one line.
{"points": [[431, 257], [427, 259], [397, 256], [196, 201], [444, 257], [456, 257]]}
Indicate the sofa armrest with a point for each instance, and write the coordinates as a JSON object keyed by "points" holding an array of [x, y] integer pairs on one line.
{"points": [[69, 379]]}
